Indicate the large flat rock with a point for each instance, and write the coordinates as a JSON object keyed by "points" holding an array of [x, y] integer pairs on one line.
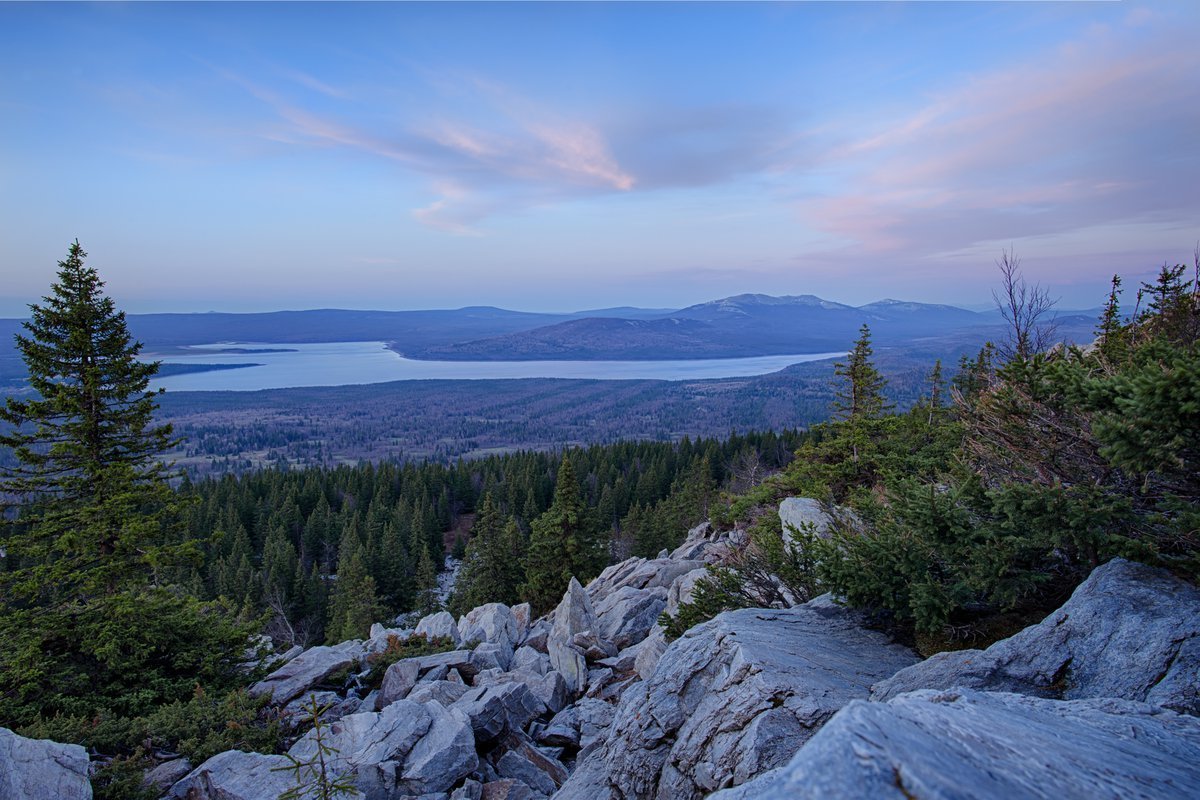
{"points": [[732, 698], [39, 769], [964, 743], [234, 775], [1129, 631], [307, 670]]}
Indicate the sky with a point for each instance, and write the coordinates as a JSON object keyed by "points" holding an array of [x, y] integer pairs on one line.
{"points": [[558, 157]]}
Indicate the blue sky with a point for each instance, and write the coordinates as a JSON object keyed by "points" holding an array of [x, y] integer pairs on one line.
{"points": [[565, 156]]}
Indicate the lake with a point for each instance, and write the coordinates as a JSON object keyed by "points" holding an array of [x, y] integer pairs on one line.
{"points": [[340, 363]]}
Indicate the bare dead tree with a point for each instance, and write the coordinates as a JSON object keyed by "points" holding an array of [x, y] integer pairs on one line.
{"points": [[1026, 310]]}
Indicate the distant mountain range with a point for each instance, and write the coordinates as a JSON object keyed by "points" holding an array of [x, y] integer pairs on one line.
{"points": [[739, 326]]}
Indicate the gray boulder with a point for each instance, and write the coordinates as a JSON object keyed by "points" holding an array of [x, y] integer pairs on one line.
{"points": [[507, 789], [1129, 631], [574, 615], [398, 681], [443, 757], [683, 588], [307, 670], [530, 660], [234, 775], [625, 615], [439, 626], [39, 769], [492, 655], [805, 513], [649, 652], [697, 544], [496, 710], [445, 693], [166, 774], [406, 749], [734, 697], [639, 573], [964, 743], [523, 615], [493, 623]]}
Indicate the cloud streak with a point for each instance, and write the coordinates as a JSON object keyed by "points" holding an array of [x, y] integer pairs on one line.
{"points": [[1100, 132]]}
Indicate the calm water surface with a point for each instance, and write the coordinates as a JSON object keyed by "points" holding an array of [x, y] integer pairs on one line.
{"points": [[339, 363]]}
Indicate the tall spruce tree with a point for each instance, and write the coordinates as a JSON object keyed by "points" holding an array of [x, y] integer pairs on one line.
{"points": [[859, 398], [87, 622], [95, 506], [559, 545]]}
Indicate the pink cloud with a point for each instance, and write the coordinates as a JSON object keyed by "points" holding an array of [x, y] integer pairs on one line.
{"points": [[1093, 133]]}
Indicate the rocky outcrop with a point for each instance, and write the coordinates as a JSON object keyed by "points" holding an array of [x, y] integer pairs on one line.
{"points": [[234, 775], [493, 623], [39, 769], [573, 616], [732, 698], [307, 670], [439, 626], [964, 743], [1129, 631]]}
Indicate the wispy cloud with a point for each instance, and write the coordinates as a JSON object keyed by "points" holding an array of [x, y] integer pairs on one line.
{"points": [[1099, 132]]}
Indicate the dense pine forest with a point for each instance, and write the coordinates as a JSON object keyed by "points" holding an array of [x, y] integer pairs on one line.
{"points": [[275, 537]]}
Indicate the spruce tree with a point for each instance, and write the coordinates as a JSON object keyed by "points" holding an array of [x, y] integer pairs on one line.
{"points": [[87, 621], [859, 397], [96, 512], [559, 546]]}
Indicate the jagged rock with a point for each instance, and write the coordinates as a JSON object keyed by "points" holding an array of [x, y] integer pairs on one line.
{"points": [[507, 789], [530, 660], [446, 693], [991, 745], [562, 730], [523, 614], [406, 749], [595, 718], [470, 790], [514, 765], [492, 655], [805, 513], [437, 666], [1129, 631], [299, 711], [574, 615], [523, 762], [639, 573], [39, 769], [682, 589], [165, 775], [649, 653], [625, 615], [234, 775], [493, 623], [538, 635], [378, 638], [623, 663], [398, 681], [734, 697], [592, 646], [439, 626], [552, 690], [517, 743], [444, 755], [695, 544], [495, 710], [288, 655], [308, 669]]}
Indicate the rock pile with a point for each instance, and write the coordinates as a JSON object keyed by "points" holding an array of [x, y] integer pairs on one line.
{"points": [[1102, 699]]}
